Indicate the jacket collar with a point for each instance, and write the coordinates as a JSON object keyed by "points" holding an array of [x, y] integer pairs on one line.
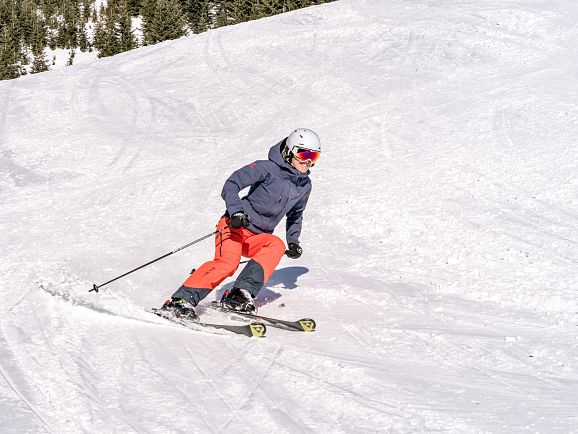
{"points": [[286, 169]]}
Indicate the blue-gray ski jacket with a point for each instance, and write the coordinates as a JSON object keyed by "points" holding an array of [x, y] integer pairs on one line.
{"points": [[276, 190]]}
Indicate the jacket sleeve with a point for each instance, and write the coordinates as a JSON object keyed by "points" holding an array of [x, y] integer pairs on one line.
{"points": [[295, 219], [244, 177]]}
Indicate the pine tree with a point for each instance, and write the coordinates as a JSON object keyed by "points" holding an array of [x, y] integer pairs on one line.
{"points": [[71, 55], [123, 26], [83, 42], [197, 12], [105, 40], [147, 12], [134, 7], [113, 32], [12, 49], [38, 38], [298, 4], [222, 14], [10, 56], [40, 63], [265, 8], [168, 21], [94, 15], [26, 18], [86, 10], [239, 10], [205, 21]]}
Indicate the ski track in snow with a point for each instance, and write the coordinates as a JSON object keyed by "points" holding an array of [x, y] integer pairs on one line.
{"points": [[439, 243]]}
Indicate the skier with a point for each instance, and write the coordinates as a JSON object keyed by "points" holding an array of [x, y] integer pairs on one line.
{"points": [[279, 187]]}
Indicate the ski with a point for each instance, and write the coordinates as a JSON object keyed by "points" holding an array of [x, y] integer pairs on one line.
{"points": [[255, 329], [303, 325]]}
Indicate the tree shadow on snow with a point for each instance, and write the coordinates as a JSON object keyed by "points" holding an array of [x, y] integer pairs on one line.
{"points": [[285, 278]]}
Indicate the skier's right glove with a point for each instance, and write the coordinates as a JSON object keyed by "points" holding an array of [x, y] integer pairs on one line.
{"points": [[294, 251], [239, 220]]}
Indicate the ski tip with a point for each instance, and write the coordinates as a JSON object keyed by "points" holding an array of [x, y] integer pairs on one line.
{"points": [[258, 329], [307, 324]]}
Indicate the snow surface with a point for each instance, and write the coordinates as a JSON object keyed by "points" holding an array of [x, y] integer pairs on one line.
{"points": [[440, 242]]}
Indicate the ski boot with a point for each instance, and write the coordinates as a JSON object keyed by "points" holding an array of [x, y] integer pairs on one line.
{"points": [[181, 309], [239, 299]]}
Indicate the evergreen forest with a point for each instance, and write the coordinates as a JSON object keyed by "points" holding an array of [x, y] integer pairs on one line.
{"points": [[31, 31]]}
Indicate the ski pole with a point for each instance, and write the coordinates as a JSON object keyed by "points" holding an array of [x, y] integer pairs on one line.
{"points": [[96, 287]]}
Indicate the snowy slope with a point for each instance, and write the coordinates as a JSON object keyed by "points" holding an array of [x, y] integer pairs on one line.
{"points": [[440, 243]]}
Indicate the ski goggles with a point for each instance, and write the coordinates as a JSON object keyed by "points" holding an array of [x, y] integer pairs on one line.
{"points": [[307, 154]]}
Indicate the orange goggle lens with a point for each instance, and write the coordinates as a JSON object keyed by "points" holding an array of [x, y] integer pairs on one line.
{"points": [[307, 154]]}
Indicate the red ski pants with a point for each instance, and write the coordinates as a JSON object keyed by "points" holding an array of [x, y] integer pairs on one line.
{"points": [[230, 245]]}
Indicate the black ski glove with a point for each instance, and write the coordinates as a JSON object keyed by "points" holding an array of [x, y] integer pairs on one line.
{"points": [[239, 220], [294, 251]]}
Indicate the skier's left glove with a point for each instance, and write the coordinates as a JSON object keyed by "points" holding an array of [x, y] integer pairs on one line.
{"points": [[294, 251], [239, 220]]}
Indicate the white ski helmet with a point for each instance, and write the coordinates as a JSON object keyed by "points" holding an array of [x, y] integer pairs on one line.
{"points": [[302, 139]]}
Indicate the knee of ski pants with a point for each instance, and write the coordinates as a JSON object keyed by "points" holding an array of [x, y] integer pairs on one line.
{"points": [[278, 247], [228, 266], [275, 251]]}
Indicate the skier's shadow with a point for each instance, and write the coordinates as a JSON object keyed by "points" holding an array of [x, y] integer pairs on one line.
{"points": [[285, 278]]}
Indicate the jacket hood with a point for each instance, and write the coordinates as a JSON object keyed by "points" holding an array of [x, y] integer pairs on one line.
{"points": [[276, 157]]}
